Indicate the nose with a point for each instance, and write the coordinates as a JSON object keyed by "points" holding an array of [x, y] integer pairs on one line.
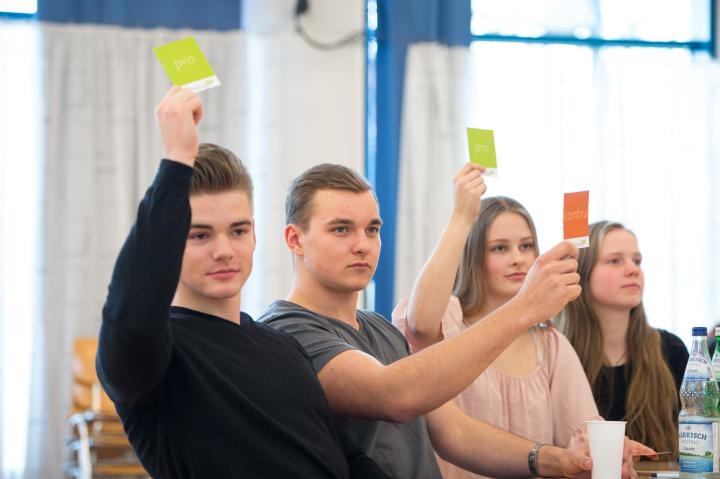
{"points": [[362, 244], [222, 249], [633, 268], [516, 257]]}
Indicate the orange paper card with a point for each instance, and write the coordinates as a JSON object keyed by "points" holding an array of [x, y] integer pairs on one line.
{"points": [[575, 218]]}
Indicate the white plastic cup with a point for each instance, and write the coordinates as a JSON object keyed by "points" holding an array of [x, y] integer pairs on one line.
{"points": [[606, 448]]}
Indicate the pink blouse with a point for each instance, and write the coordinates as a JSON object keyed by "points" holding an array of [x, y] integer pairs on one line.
{"points": [[549, 405]]}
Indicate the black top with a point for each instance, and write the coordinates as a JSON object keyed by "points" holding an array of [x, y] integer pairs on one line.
{"points": [[611, 404], [200, 396]]}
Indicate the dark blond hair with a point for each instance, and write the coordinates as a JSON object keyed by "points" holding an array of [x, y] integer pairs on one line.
{"points": [[217, 169], [651, 404], [298, 202], [470, 285]]}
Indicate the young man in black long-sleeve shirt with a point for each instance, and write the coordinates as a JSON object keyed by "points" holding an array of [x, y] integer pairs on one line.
{"points": [[203, 390]]}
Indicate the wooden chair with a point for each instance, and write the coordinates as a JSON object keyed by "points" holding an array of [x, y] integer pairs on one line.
{"points": [[97, 446]]}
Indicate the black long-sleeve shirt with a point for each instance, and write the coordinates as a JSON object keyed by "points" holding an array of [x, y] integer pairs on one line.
{"points": [[200, 396]]}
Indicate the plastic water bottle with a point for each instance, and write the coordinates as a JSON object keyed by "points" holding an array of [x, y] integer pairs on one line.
{"points": [[698, 420], [716, 362]]}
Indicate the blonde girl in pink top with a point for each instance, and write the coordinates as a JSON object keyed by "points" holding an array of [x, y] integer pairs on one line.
{"points": [[537, 387]]}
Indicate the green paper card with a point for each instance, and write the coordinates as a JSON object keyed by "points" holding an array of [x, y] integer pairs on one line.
{"points": [[481, 144], [186, 65]]}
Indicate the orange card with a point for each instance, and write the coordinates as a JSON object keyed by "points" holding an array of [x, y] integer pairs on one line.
{"points": [[575, 218]]}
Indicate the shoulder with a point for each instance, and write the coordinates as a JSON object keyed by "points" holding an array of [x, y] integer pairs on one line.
{"points": [[673, 346], [453, 312], [377, 322], [560, 352], [555, 341], [287, 316], [452, 319], [675, 352], [268, 335]]}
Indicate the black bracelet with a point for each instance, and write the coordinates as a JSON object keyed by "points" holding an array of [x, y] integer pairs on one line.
{"points": [[533, 456]]}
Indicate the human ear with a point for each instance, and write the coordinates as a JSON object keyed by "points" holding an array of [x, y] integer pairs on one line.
{"points": [[293, 239]]}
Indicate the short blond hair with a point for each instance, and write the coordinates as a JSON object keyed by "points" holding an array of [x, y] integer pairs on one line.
{"points": [[217, 169], [327, 176]]}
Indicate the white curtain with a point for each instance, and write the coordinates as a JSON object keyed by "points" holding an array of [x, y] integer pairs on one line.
{"points": [[637, 127], [79, 147], [21, 273], [101, 85]]}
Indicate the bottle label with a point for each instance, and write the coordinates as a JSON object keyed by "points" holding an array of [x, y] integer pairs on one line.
{"points": [[698, 367], [698, 446]]}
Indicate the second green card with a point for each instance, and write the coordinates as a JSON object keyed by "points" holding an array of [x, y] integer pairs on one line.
{"points": [[481, 144]]}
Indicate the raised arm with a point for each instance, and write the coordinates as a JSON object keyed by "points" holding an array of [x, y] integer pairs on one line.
{"points": [[358, 385], [433, 286], [135, 343]]}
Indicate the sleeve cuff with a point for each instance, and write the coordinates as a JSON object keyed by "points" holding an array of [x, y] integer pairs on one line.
{"points": [[174, 176]]}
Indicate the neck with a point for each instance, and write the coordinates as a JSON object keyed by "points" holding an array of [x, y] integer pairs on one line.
{"points": [[334, 304], [614, 325], [228, 309]]}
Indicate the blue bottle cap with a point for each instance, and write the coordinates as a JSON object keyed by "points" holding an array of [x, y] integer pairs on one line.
{"points": [[699, 331]]}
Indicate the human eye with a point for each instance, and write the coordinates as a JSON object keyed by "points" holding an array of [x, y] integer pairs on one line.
{"points": [[529, 246], [198, 235], [498, 248], [614, 261], [373, 230], [239, 231], [341, 229], [638, 261]]}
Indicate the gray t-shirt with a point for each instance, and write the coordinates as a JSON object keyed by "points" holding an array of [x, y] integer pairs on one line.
{"points": [[402, 450]]}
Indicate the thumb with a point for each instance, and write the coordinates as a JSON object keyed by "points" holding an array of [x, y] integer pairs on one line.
{"points": [[584, 460]]}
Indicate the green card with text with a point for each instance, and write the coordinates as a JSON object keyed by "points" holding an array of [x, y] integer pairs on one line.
{"points": [[186, 65], [481, 144]]}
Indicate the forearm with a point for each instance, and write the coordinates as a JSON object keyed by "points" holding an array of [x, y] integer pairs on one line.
{"points": [[434, 285], [485, 449], [424, 381], [134, 339], [477, 446]]}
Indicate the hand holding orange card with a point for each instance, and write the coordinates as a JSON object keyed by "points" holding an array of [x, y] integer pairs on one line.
{"points": [[575, 218]]}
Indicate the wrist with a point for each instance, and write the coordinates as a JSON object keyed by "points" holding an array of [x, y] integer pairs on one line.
{"points": [[548, 461], [522, 312], [184, 157], [461, 221], [533, 458]]}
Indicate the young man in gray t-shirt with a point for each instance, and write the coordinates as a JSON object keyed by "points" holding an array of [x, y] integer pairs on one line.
{"points": [[363, 364]]}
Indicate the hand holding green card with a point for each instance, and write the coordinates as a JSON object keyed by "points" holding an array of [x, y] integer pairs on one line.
{"points": [[481, 144], [186, 65]]}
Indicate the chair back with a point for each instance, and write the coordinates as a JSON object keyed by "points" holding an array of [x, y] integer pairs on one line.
{"points": [[87, 393]]}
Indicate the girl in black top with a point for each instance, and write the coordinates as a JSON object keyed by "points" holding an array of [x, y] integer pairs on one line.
{"points": [[635, 370]]}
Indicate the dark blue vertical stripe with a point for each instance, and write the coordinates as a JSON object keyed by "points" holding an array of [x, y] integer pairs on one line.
{"points": [[214, 15], [402, 22]]}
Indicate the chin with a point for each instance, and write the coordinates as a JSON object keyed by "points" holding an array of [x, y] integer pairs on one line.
{"points": [[354, 287], [222, 293]]}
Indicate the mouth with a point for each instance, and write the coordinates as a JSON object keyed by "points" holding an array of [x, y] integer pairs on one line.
{"points": [[516, 276], [224, 273], [362, 266], [631, 286]]}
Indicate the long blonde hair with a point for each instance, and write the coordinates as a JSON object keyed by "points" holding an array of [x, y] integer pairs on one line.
{"points": [[470, 285], [651, 404]]}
